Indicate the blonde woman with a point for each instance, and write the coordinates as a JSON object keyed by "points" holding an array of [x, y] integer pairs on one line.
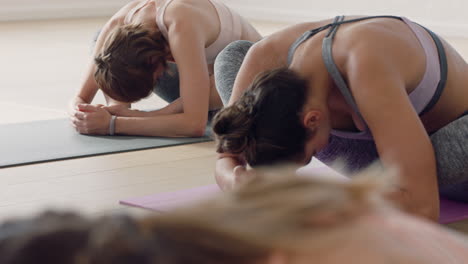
{"points": [[163, 46], [286, 220]]}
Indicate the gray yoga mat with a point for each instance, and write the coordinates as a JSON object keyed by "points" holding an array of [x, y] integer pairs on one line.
{"points": [[50, 140]]}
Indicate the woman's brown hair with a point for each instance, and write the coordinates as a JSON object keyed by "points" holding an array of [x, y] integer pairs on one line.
{"points": [[264, 125], [130, 55]]}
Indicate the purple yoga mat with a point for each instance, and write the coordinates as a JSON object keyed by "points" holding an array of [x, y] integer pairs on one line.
{"points": [[164, 201], [450, 211]]}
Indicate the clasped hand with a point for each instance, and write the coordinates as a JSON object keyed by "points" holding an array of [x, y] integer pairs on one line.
{"points": [[239, 177], [91, 119], [121, 110]]}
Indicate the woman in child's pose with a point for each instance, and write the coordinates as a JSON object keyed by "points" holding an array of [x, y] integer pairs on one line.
{"points": [[163, 46], [356, 89]]}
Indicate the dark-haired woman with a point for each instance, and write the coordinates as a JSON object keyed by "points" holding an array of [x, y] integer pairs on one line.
{"points": [[153, 46], [355, 89]]}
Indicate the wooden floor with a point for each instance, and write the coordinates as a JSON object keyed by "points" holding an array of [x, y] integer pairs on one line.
{"points": [[41, 66]]}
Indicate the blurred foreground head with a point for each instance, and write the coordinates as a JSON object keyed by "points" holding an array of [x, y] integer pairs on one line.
{"points": [[271, 220]]}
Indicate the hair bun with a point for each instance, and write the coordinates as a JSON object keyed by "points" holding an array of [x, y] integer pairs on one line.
{"points": [[100, 63], [233, 128]]}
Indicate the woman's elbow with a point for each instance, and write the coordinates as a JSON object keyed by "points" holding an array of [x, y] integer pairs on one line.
{"points": [[426, 209], [196, 128], [197, 132], [421, 206], [429, 211]]}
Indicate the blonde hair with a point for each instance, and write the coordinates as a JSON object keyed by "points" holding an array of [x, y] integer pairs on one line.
{"points": [[130, 55], [287, 212], [273, 212]]}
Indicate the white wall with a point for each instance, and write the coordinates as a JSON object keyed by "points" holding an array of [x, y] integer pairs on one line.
{"points": [[448, 17], [44, 9]]}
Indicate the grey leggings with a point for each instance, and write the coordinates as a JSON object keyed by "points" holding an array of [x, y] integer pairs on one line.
{"points": [[450, 142], [227, 65], [167, 86]]}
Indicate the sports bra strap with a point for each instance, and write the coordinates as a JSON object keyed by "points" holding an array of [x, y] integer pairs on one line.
{"points": [[333, 70], [443, 72], [311, 33], [327, 54]]}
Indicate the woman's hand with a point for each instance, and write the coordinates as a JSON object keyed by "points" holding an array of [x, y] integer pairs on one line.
{"points": [[239, 176], [121, 110], [231, 172], [242, 175], [91, 119]]}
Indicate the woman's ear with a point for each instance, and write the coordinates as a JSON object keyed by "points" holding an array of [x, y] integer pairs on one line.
{"points": [[312, 119]]}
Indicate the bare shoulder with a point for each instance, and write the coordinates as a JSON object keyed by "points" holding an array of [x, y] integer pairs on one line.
{"points": [[186, 12], [120, 15], [379, 46], [115, 21], [365, 39]]}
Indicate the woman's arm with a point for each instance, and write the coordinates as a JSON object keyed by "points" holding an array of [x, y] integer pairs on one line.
{"points": [[174, 107], [378, 86], [89, 88]]}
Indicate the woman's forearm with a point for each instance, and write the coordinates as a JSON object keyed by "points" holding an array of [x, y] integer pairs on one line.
{"points": [[406, 201], [173, 125], [224, 172], [174, 107], [72, 106]]}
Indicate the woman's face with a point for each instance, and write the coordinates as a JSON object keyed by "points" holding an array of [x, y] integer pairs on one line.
{"points": [[320, 135], [315, 117], [315, 144]]}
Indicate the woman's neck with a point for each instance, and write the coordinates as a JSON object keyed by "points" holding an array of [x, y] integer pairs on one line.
{"points": [[146, 14], [342, 116]]}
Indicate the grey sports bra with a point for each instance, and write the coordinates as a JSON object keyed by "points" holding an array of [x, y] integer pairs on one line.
{"points": [[423, 97]]}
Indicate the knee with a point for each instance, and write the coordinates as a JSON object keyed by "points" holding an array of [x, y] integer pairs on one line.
{"points": [[451, 152], [227, 65], [235, 50], [167, 85]]}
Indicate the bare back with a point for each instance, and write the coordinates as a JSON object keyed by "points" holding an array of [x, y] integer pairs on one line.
{"points": [[401, 48], [382, 61]]}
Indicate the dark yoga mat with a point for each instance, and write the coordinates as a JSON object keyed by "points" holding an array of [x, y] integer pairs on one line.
{"points": [[50, 140]]}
